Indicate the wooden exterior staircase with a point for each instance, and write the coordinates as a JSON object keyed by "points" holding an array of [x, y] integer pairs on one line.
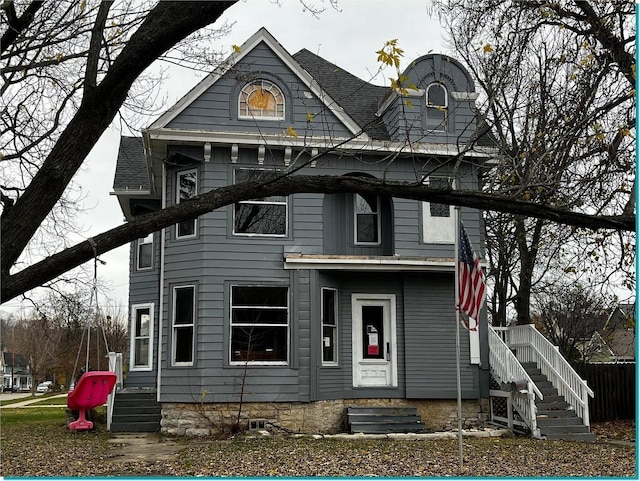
{"points": [[384, 420], [549, 397]]}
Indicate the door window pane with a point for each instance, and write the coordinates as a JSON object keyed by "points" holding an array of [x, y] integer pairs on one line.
{"points": [[373, 332]]}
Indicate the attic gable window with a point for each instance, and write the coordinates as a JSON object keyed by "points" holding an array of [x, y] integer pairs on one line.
{"points": [[437, 104], [261, 99]]}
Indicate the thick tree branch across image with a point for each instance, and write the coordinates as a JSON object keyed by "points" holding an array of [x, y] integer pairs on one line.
{"points": [[62, 262]]}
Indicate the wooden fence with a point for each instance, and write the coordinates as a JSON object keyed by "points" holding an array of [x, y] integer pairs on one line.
{"points": [[614, 387]]}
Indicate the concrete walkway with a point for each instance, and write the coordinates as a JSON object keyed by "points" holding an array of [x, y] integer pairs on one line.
{"points": [[30, 401]]}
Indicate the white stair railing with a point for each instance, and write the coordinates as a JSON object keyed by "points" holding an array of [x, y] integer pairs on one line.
{"points": [[115, 365], [531, 346], [506, 368]]}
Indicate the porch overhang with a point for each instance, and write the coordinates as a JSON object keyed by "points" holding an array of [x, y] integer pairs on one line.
{"points": [[368, 263]]}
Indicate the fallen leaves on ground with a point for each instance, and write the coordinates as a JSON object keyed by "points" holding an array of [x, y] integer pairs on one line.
{"points": [[49, 449]]}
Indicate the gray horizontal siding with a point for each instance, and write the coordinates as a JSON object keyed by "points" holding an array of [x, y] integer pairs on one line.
{"points": [[217, 108]]}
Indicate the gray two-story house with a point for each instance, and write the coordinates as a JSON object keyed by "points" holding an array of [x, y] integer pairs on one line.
{"points": [[292, 309]]}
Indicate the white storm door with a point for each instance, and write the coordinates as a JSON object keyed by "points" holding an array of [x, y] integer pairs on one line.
{"points": [[374, 340]]}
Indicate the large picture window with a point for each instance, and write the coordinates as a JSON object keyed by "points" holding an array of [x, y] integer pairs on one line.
{"points": [[145, 253], [329, 326], [261, 99], [265, 216], [186, 188], [259, 324], [183, 325], [141, 337], [367, 219]]}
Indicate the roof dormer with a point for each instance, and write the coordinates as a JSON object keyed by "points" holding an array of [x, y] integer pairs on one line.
{"points": [[438, 107]]}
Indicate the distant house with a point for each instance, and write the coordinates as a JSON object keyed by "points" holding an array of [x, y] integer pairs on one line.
{"points": [[303, 306], [617, 340], [15, 372]]}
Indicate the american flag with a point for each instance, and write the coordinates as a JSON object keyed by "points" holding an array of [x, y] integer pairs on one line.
{"points": [[470, 278]]}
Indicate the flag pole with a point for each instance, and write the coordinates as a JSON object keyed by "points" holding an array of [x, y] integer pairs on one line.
{"points": [[457, 302]]}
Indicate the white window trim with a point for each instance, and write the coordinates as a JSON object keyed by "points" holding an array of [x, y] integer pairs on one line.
{"points": [[177, 199], [443, 126], [336, 362], [140, 243], [132, 344], [261, 202], [242, 116], [288, 325], [355, 223], [181, 326], [432, 226]]}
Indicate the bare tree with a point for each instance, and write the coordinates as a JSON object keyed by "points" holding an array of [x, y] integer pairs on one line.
{"points": [[108, 71], [558, 92]]}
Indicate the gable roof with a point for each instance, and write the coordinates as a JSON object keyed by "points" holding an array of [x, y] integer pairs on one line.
{"points": [[261, 36]]}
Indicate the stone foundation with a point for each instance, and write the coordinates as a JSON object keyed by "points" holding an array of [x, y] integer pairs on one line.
{"points": [[325, 417]]}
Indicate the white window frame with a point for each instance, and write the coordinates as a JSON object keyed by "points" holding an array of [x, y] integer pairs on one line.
{"points": [[334, 327], [284, 203], [442, 124], [378, 222], [142, 242], [251, 87], [435, 229], [175, 327], [135, 308], [178, 199], [287, 325]]}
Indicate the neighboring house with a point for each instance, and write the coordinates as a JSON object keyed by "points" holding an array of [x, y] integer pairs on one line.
{"points": [[303, 305], [616, 342], [15, 372]]}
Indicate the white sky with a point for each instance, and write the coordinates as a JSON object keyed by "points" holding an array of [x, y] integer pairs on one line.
{"points": [[348, 37]]}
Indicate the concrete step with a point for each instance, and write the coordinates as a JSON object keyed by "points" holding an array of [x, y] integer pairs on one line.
{"points": [[559, 421], [556, 413], [135, 427], [379, 428], [563, 429], [372, 420], [587, 437]]}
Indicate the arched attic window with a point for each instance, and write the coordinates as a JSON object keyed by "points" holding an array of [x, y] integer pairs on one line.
{"points": [[437, 105], [261, 99]]}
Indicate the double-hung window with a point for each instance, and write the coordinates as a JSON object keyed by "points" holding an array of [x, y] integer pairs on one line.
{"points": [[259, 325], [329, 326], [141, 337], [367, 219], [265, 216], [438, 219], [186, 188], [183, 325], [145, 253]]}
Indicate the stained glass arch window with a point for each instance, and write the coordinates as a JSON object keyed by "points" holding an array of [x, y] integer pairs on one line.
{"points": [[261, 99]]}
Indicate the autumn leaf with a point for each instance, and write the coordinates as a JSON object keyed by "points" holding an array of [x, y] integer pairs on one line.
{"points": [[291, 132], [309, 117], [487, 48], [235, 48]]}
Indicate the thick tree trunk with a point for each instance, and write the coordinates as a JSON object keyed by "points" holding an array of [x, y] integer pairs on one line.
{"points": [[164, 26]]}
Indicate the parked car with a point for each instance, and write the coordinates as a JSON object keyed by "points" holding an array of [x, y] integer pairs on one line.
{"points": [[44, 386]]}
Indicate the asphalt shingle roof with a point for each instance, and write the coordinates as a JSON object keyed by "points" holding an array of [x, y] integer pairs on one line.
{"points": [[131, 166], [358, 98]]}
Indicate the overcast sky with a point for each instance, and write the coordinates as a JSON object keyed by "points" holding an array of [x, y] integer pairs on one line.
{"points": [[348, 37]]}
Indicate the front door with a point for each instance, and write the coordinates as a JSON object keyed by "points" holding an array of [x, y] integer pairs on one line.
{"points": [[374, 340]]}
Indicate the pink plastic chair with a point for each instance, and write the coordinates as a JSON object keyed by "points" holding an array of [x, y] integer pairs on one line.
{"points": [[90, 391]]}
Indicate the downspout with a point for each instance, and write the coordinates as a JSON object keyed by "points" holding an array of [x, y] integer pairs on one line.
{"points": [[161, 287]]}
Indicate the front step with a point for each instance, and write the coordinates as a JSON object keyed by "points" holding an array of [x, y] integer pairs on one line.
{"points": [[136, 411], [377, 420], [556, 418]]}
